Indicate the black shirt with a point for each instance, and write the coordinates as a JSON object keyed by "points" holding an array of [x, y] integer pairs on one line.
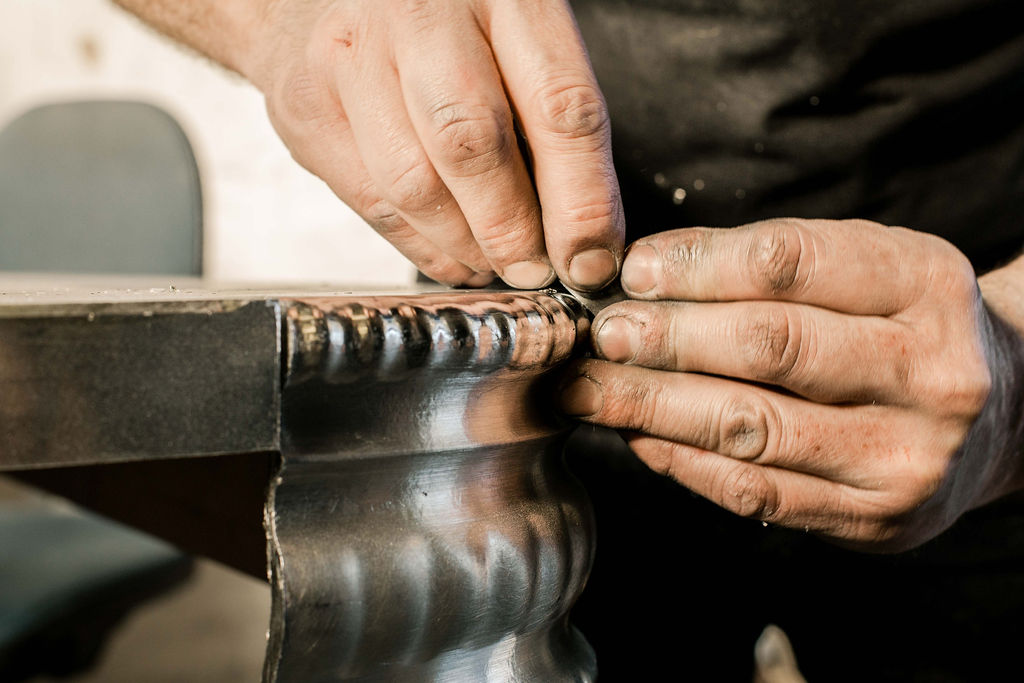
{"points": [[907, 112]]}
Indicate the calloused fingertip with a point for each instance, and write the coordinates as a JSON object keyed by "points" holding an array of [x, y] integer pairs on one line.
{"points": [[617, 338], [529, 274], [592, 269], [582, 397], [641, 269]]}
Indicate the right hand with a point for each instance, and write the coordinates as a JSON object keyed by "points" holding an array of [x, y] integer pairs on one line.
{"points": [[406, 110]]}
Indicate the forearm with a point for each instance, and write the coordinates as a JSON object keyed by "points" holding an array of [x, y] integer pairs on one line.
{"points": [[223, 30]]}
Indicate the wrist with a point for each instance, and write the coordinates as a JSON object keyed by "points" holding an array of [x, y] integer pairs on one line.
{"points": [[279, 32], [999, 431], [1002, 419], [1003, 292], [246, 36], [257, 53], [227, 31]]}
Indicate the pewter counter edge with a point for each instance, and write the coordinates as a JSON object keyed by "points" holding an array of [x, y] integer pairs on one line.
{"points": [[95, 375]]}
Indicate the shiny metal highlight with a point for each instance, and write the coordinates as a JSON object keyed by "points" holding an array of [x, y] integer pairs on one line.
{"points": [[423, 526], [420, 523]]}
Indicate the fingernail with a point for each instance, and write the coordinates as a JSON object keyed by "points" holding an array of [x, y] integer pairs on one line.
{"points": [[582, 397], [641, 270], [480, 279], [618, 339], [529, 275], [593, 269]]}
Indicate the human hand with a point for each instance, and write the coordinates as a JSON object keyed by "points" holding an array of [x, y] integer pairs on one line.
{"points": [[835, 376], [406, 110]]}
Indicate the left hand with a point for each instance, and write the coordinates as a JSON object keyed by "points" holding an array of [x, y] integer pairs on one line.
{"points": [[836, 376]]}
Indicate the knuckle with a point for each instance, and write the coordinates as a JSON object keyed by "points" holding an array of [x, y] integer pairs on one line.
{"points": [[663, 337], [298, 101], [508, 235], [915, 485], [844, 517], [870, 521], [929, 480], [945, 272], [968, 397], [941, 246], [747, 492], [587, 218], [898, 368], [472, 140], [777, 258], [300, 91], [379, 213], [743, 431], [308, 66], [961, 267], [771, 341], [383, 217], [951, 270], [959, 394], [416, 188], [662, 457], [976, 392], [573, 110], [880, 535], [883, 533]]}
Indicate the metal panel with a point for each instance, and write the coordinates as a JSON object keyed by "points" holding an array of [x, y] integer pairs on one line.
{"points": [[96, 383], [423, 527]]}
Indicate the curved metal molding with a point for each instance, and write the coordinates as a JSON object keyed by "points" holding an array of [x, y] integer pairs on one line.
{"points": [[456, 566], [423, 526], [389, 338]]}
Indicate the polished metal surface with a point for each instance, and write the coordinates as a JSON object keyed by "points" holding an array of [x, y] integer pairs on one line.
{"points": [[595, 302], [421, 525], [110, 382], [423, 484]]}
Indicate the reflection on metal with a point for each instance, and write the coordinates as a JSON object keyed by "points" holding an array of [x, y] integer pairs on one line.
{"points": [[119, 380], [423, 527], [391, 337], [595, 302]]}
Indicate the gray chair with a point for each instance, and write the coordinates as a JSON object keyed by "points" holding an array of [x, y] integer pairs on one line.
{"points": [[87, 187], [67, 578], [99, 187]]}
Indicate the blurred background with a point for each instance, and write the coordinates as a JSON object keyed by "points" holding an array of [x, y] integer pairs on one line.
{"points": [[264, 219]]}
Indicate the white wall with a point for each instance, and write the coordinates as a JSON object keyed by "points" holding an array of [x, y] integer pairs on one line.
{"points": [[266, 218]]}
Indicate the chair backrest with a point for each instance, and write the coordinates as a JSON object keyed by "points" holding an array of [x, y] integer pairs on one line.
{"points": [[91, 187]]}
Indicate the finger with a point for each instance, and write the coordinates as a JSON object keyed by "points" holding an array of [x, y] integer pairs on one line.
{"points": [[565, 120], [458, 107], [848, 266], [733, 419], [396, 161], [825, 356], [789, 499], [353, 185]]}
